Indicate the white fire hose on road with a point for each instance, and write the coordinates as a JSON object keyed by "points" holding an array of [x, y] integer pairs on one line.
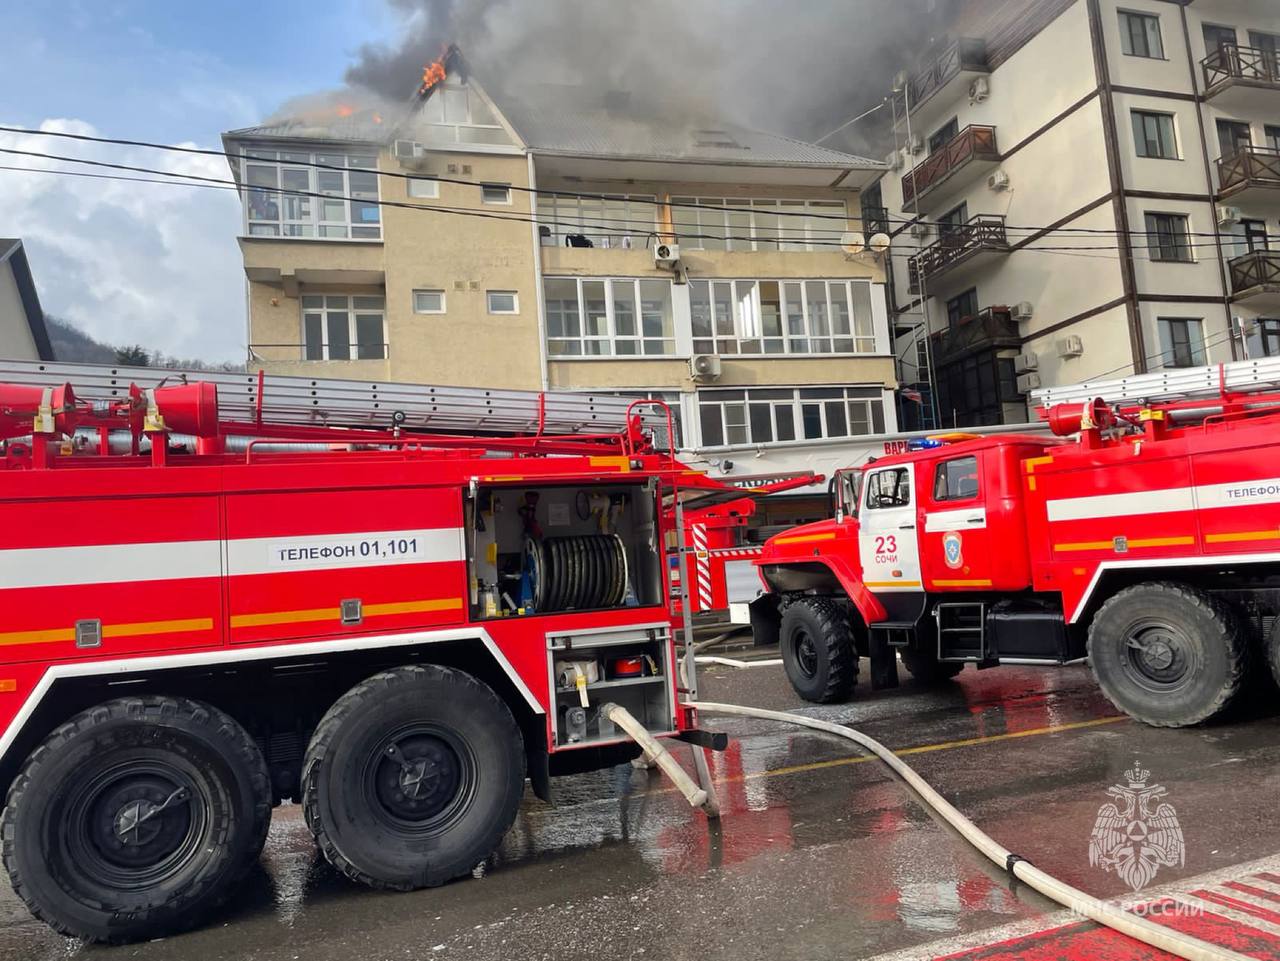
{"points": [[1109, 915]]}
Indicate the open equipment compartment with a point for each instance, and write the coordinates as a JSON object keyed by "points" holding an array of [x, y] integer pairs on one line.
{"points": [[554, 549], [629, 666]]}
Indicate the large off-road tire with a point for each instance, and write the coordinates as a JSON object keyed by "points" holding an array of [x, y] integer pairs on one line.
{"points": [[90, 844], [818, 649], [413, 777], [1272, 651], [1167, 654], [927, 669]]}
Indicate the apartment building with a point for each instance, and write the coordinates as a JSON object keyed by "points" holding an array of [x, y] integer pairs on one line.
{"points": [[514, 244], [1084, 189]]}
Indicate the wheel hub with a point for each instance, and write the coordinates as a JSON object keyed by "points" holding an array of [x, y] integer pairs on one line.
{"points": [[806, 655], [137, 821], [1157, 656], [417, 777]]}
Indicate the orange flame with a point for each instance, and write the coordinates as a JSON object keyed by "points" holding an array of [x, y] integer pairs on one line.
{"points": [[344, 110], [433, 74]]}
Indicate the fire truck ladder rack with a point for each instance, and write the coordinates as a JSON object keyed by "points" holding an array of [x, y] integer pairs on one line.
{"points": [[307, 403], [1212, 383]]}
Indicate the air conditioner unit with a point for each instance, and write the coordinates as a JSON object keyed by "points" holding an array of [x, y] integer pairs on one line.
{"points": [[1023, 311], [1071, 346], [1228, 216], [979, 90], [666, 255], [1026, 361], [408, 150], [704, 367], [921, 230], [916, 145], [999, 180], [1028, 382]]}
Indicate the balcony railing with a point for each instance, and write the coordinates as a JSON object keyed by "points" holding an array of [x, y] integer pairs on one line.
{"points": [[1249, 167], [970, 144], [1257, 270], [1231, 62], [963, 54], [990, 329], [960, 243]]}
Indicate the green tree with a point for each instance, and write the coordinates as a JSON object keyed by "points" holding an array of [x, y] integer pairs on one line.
{"points": [[133, 356]]}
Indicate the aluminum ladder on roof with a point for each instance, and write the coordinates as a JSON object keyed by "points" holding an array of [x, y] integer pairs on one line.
{"points": [[329, 402], [1182, 383]]}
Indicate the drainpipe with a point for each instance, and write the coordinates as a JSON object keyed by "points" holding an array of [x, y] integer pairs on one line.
{"points": [[1208, 182], [537, 274], [1119, 202]]}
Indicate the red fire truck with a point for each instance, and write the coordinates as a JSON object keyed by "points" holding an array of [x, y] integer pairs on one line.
{"points": [[1148, 543], [390, 604]]}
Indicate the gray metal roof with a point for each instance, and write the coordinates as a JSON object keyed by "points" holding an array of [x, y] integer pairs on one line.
{"points": [[353, 129]]}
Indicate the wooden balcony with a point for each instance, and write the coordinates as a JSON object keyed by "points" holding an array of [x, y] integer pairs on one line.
{"points": [[952, 168], [991, 329], [940, 80], [980, 238], [1251, 176], [1255, 279], [1242, 79]]}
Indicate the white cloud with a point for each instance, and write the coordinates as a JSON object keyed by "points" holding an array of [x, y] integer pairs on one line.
{"points": [[146, 263]]}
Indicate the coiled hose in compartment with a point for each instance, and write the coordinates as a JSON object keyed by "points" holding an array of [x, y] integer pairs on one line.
{"points": [[580, 572]]}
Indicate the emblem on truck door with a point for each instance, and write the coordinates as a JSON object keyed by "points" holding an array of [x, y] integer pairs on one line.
{"points": [[951, 549]]}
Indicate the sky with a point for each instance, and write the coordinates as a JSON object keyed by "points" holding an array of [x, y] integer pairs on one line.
{"points": [[152, 264]]}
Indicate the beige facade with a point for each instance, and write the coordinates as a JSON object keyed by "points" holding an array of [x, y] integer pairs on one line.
{"points": [[22, 329]]}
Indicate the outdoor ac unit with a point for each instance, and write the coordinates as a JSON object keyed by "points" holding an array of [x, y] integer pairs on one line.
{"points": [[916, 145], [1028, 382], [1071, 346], [704, 367], [999, 180], [920, 230], [1228, 216], [409, 150], [1027, 361], [979, 90], [1023, 311], [666, 255]]}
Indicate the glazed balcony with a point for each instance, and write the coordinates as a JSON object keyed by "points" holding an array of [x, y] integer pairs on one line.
{"points": [[1255, 279], [941, 81], [1251, 176], [1242, 79], [875, 220], [991, 329], [980, 239], [952, 168]]}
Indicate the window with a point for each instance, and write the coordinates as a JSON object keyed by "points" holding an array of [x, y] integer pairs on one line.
{"points": [[780, 414], [1215, 38], [613, 220], [953, 220], [956, 480], [737, 223], [1169, 237], [1255, 235], [1153, 135], [1272, 133], [622, 317], [426, 188], [963, 307], [1234, 137], [1262, 338], [457, 114], [495, 194], [944, 135], [341, 327], [1140, 35], [1181, 342], [889, 488], [503, 301], [1268, 46], [781, 317], [428, 301], [973, 391], [347, 208]]}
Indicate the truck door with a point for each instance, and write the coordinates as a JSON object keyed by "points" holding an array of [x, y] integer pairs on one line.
{"points": [[887, 543], [955, 546]]}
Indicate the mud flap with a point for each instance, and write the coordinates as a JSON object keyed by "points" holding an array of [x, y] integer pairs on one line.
{"points": [[766, 621], [884, 661]]}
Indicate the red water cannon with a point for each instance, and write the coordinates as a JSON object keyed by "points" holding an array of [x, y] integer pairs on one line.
{"points": [[36, 410], [1066, 420]]}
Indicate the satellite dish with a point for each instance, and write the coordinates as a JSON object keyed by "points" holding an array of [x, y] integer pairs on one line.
{"points": [[853, 242], [879, 243]]}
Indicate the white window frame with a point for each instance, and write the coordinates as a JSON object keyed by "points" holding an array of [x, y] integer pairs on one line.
{"points": [[869, 397], [800, 224], [617, 221], [412, 182], [515, 301], [452, 131], [1126, 34], [864, 339], [313, 226], [608, 342], [429, 290], [351, 310], [506, 202]]}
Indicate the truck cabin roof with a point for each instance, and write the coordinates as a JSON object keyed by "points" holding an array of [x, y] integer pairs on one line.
{"points": [[960, 447]]}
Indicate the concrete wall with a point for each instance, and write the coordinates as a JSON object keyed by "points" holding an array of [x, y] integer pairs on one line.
{"points": [[16, 342]]}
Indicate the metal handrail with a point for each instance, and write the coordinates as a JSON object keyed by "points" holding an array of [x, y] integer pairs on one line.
{"points": [[975, 142]]}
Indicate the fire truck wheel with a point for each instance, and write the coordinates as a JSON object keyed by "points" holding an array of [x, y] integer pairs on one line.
{"points": [[1167, 654], [136, 818], [818, 651], [1273, 651], [927, 669], [413, 777]]}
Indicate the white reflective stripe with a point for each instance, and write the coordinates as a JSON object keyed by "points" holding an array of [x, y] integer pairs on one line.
{"points": [[109, 563], [319, 552], [965, 519], [1164, 501], [1200, 560], [1239, 493]]}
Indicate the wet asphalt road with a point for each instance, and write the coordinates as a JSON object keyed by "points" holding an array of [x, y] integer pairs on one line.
{"points": [[818, 855]]}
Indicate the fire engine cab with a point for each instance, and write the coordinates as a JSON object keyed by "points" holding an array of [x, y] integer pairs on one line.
{"points": [[391, 604], [1141, 533]]}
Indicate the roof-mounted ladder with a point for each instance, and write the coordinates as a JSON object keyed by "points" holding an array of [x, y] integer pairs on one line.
{"points": [[1171, 385]]}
